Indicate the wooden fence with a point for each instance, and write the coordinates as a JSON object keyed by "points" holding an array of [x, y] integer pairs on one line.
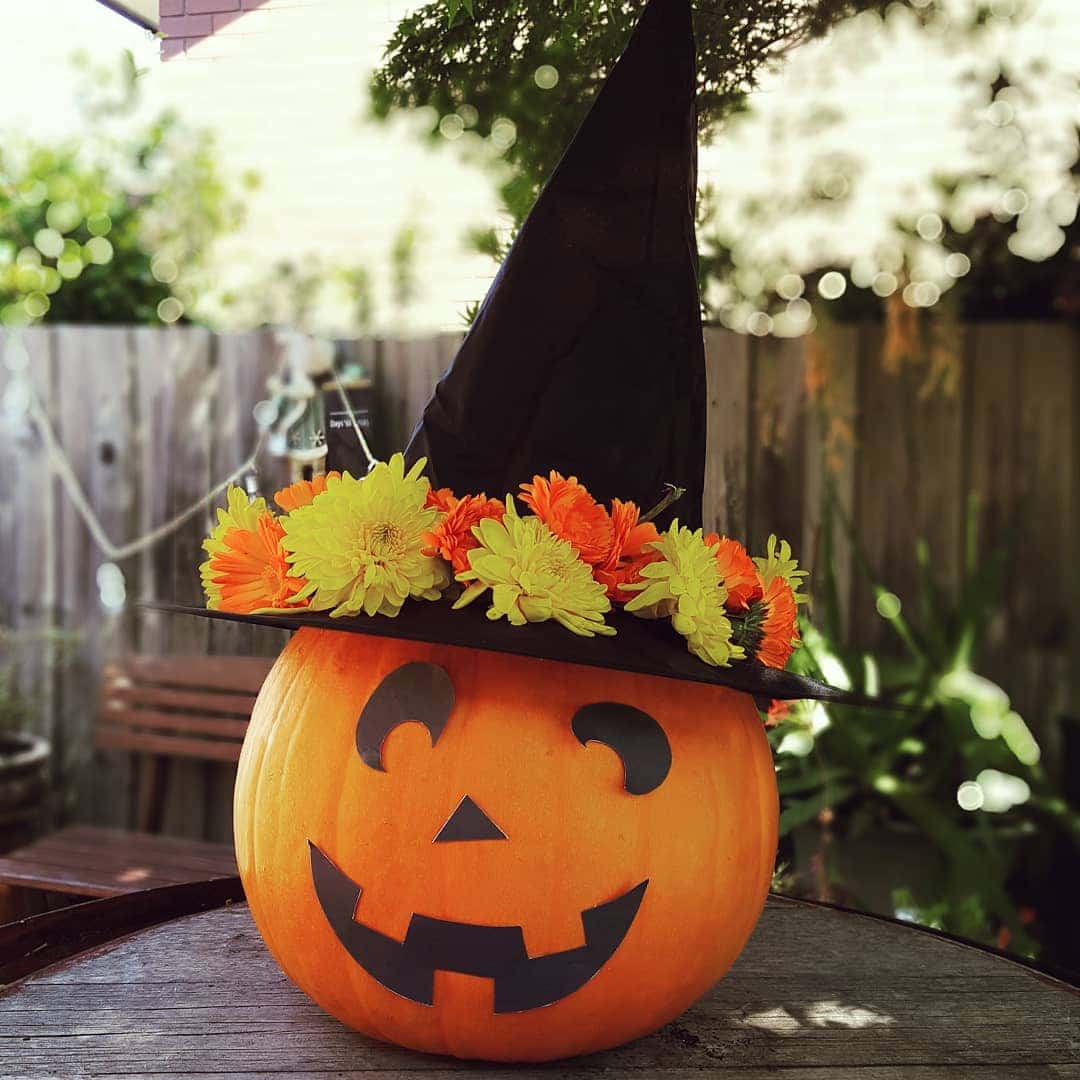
{"points": [[151, 418]]}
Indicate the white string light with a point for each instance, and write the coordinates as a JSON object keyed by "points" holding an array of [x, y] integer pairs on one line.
{"points": [[22, 396], [59, 463], [371, 460]]}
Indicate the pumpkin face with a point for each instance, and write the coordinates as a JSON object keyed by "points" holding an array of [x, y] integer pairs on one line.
{"points": [[496, 857]]}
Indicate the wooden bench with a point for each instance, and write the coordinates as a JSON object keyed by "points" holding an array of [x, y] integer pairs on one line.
{"points": [[159, 709]]}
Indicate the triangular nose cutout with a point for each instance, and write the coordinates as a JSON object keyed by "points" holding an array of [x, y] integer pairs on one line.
{"points": [[469, 822]]}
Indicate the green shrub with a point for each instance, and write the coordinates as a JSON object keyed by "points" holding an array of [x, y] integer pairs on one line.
{"points": [[941, 804]]}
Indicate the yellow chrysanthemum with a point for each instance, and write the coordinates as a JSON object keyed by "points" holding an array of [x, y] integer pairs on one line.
{"points": [[685, 583], [533, 576], [360, 543], [240, 512], [778, 563]]}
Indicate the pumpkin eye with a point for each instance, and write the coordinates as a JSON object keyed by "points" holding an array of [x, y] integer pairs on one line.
{"points": [[414, 693], [634, 735]]}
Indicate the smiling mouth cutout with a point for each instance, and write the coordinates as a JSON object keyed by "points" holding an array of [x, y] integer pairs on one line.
{"points": [[407, 968]]}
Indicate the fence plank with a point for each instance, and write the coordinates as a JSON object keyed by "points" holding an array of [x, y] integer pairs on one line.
{"points": [[14, 428], [242, 365], [778, 440], [406, 373], [27, 537], [391, 374], [156, 356], [880, 479], [1042, 613], [832, 389], [937, 437], [1044, 480], [105, 360], [183, 450], [727, 375], [84, 373], [237, 371], [187, 809], [993, 442], [426, 359], [993, 439], [909, 481], [1073, 570]]}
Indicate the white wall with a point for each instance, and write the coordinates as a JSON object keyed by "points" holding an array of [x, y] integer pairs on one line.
{"points": [[285, 88]]}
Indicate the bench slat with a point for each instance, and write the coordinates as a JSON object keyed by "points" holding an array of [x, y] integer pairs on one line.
{"points": [[117, 695], [168, 722], [237, 674], [121, 738]]}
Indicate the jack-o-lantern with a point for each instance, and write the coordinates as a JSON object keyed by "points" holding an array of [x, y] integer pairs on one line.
{"points": [[498, 857], [550, 829]]}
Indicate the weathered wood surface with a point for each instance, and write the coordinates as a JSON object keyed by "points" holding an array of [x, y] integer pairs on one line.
{"points": [[817, 995], [149, 417]]}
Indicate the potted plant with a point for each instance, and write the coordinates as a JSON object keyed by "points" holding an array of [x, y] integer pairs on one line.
{"points": [[24, 769]]}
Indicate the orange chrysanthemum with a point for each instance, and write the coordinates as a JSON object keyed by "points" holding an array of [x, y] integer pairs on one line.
{"points": [[778, 711], [737, 570], [441, 499], [773, 624], [452, 536], [251, 571], [572, 514], [628, 552], [302, 492]]}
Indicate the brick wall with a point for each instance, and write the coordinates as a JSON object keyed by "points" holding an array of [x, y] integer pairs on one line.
{"points": [[184, 22]]}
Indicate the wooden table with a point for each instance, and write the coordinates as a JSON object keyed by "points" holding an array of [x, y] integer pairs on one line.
{"points": [[819, 994]]}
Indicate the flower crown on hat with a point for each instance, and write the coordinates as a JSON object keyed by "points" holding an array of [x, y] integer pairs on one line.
{"points": [[355, 547]]}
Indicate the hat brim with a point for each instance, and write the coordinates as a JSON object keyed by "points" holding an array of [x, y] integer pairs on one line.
{"points": [[641, 646]]}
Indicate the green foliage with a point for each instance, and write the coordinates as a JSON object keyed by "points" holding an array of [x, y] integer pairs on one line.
{"points": [[454, 6], [14, 709], [993, 234], [403, 265], [522, 73], [520, 76], [69, 249], [114, 227], [297, 292], [852, 777]]}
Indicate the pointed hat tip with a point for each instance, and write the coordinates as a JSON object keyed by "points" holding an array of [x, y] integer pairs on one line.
{"points": [[587, 356]]}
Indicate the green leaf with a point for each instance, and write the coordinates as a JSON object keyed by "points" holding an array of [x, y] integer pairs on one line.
{"points": [[799, 813], [454, 6], [808, 782]]}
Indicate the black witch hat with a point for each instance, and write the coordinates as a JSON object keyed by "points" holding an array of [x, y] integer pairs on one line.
{"points": [[587, 358]]}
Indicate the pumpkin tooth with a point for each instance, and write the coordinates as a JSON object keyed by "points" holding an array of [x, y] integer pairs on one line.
{"points": [[558, 930]]}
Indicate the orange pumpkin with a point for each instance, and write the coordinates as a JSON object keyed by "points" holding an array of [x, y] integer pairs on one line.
{"points": [[494, 861]]}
